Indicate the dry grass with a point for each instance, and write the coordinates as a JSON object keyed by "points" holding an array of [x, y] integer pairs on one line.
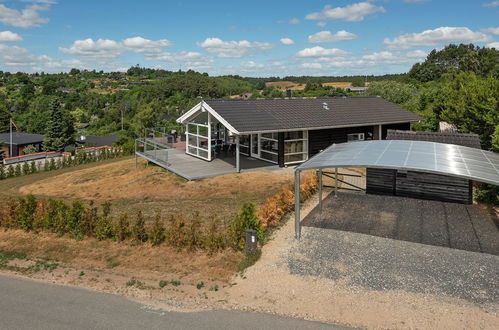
{"points": [[283, 85], [340, 84], [151, 189]]}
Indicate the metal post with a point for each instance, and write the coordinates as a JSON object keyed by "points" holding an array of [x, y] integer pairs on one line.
{"points": [[335, 181], [238, 163], [10, 148], [297, 205], [320, 190]]}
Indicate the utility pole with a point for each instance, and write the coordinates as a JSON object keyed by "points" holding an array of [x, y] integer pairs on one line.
{"points": [[10, 147]]}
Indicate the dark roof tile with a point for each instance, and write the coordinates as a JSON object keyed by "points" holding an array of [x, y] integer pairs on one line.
{"points": [[460, 139]]}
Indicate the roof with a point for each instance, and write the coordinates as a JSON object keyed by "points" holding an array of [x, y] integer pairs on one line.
{"points": [[461, 139], [21, 138], [423, 156], [260, 115], [97, 140]]}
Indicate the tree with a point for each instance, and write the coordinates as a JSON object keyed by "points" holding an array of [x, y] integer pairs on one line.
{"points": [[4, 119], [455, 58], [60, 129], [392, 91], [471, 103], [29, 149]]}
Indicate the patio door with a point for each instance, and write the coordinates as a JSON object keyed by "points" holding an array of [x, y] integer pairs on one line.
{"points": [[255, 146]]}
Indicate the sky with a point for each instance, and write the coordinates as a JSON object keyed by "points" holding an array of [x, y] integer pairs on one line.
{"points": [[255, 38]]}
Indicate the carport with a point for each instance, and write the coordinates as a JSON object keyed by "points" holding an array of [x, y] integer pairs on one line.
{"points": [[413, 156]]}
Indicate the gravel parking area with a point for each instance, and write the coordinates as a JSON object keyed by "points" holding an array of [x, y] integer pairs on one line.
{"points": [[376, 263], [465, 227]]}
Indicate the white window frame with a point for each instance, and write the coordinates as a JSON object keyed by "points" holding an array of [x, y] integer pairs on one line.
{"points": [[304, 152], [260, 139], [197, 135]]}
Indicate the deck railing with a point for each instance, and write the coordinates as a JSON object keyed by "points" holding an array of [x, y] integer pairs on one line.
{"points": [[153, 150]]}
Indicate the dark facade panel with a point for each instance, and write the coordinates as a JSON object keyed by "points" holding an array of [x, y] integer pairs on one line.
{"points": [[380, 181], [402, 126], [321, 139], [419, 185]]}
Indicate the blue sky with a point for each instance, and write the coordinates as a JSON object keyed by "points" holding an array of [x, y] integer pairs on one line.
{"points": [[257, 38]]}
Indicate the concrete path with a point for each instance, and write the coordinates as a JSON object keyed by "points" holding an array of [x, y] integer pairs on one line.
{"points": [[27, 304]]}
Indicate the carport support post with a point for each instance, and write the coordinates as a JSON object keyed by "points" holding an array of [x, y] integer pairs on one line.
{"points": [[297, 205], [320, 190], [335, 181], [238, 165]]}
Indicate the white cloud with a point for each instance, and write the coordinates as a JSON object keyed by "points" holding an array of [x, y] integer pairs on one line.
{"points": [[327, 36], [386, 57], [188, 60], [321, 24], [98, 49], [351, 13], [439, 35], [294, 21], [26, 18], [233, 49], [146, 46], [313, 66], [287, 41], [8, 36], [321, 52], [491, 4], [493, 30], [493, 45], [17, 57]]}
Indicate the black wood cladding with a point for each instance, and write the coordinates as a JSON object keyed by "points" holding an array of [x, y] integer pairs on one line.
{"points": [[419, 185]]}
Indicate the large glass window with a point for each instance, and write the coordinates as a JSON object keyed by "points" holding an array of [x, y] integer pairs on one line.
{"points": [[197, 140], [244, 141], [269, 146], [295, 146]]}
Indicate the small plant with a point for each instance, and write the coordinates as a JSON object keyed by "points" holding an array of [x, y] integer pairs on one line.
{"points": [[113, 265], [122, 229], [200, 285], [157, 232], [162, 283], [214, 287], [139, 233], [82, 273], [175, 283]]}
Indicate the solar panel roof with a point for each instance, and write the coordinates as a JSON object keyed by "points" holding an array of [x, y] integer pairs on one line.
{"points": [[424, 156]]}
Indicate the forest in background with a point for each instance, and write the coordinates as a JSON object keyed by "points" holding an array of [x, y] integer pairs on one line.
{"points": [[458, 84]]}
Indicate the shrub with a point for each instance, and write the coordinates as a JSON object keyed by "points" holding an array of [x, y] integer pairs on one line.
{"points": [[52, 166], [487, 193], [75, 218], [246, 219], [104, 225], [139, 233], [87, 225], [122, 230], [11, 172], [194, 237], [17, 170], [176, 235], [3, 173], [32, 167], [216, 236], [25, 168], [26, 212], [157, 232]]}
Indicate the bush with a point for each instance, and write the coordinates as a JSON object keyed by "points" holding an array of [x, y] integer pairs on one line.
{"points": [[27, 209], [216, 236], [139, 233], [122, 230], [176, 235], [75, 218], [3, 173], [157, 232], [17, 170], [25, 169], [104, 225], [87, 225], [487, 193], [246, 219]]}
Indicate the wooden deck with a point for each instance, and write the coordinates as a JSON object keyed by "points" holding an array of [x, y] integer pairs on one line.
{"points": [[192, 168]]}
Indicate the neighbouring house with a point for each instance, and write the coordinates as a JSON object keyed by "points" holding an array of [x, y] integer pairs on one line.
{"points": [[356, 89], [19, 142], [288, 131], [96, 140], [426, 185]]}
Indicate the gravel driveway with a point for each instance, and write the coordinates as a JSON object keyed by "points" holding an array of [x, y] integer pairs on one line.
{"points": [[465, 227]]}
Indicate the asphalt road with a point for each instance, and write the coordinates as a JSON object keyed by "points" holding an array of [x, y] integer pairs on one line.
{"points": [[27, 304]]}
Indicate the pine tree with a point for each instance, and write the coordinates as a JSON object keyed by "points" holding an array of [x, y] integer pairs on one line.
{"points": [[60, 129], [3, 174], [139, 233]]}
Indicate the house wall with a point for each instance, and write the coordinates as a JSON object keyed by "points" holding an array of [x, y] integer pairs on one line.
{"points": [[5, 149], [321, 139], [403, 127], [419, 185], [38, 148]]}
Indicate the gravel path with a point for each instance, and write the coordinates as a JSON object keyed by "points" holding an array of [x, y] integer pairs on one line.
{"points": [[376, 263]]}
